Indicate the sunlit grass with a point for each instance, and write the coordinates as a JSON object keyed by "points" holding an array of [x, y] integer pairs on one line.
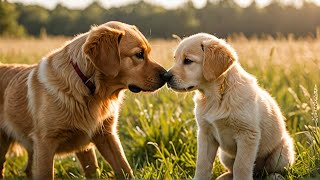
{"points": [[158, 130]]}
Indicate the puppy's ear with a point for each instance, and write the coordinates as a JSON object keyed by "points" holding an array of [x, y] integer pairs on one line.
{"points": [[102, 48], [218, 58]]}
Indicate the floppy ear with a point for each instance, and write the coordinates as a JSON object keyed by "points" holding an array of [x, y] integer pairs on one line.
{"points": [[102, 48], [218, 58]]}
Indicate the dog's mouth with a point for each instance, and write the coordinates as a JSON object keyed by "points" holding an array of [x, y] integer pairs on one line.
{"points": [[180, 89], [149, 87], [134, 88]]}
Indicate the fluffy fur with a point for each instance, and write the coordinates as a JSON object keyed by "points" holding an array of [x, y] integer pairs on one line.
{"points": [[233, 113], [48, 109]]}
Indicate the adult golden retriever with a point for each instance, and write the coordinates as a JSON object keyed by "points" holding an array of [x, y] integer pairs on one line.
{"points": [[233, 113], [71, 99]]}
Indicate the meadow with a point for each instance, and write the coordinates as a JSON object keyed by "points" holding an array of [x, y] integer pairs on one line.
{"points": [[158, 130]]}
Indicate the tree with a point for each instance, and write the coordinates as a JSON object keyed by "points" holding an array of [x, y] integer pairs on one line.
{"points": [[33, 18], [219, 17], [8, 20], [61, 21], [93, 14]]}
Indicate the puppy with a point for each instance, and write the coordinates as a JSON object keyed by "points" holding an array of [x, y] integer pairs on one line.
{"points": [[233, 113], [70, 99]]}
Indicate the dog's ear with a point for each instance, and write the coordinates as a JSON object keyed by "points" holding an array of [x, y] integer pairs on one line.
{"points": [[218, 58], [102, 48]]}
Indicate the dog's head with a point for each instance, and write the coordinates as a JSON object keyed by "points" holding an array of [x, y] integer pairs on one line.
{"points": [[199, 59], [120, 52]]}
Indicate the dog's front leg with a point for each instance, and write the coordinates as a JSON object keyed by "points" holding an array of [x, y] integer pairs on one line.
{"points": [[109, 146], [247, 147], [207, 150], [43, 154], [88, 162]]}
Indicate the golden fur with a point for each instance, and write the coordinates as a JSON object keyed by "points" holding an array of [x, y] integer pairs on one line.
{"points": [[233, 113], [48, 109]]}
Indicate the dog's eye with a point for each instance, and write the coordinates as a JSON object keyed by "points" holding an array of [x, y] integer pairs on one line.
{"points": [[187, 61], [140, 55]]}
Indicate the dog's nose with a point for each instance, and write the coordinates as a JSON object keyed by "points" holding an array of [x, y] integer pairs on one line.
{"points": [[166, 76]]}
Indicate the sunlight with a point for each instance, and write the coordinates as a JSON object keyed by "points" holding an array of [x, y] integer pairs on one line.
{"points": [[317, 2], [169, 4]]}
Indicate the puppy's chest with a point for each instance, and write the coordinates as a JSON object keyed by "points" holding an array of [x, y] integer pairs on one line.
{"points": [[225, 136]]}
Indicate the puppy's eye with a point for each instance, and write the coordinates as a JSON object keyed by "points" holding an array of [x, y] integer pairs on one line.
{"points": [[187, 61], [140, 55]]}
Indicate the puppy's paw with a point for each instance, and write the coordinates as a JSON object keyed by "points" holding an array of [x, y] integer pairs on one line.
{"points": [[276, 176], [202, 178], [225, 176]]}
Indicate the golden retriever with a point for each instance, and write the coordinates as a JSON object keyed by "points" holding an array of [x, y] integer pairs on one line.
{"points": [[233, 113], [71, 98]]}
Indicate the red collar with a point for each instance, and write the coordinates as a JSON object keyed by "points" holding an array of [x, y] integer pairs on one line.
{"points": [[86, 81]]}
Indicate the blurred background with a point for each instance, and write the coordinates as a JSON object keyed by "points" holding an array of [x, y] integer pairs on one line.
{"points": [[162, 18]]}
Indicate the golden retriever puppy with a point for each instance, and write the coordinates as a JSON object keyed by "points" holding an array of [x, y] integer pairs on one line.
{"points": [[233, 113], [70, 99]]}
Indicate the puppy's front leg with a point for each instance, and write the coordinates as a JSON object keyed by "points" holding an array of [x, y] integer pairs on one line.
{"points": [[247, 147], [207, 150]]}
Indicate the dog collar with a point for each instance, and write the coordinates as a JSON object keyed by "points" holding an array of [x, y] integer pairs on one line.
{"points": [[86, 81]]}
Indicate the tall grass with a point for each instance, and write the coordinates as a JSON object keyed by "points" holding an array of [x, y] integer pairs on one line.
{"points": [[158, 130]]}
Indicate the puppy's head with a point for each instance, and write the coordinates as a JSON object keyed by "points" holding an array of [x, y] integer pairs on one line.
{"points": [[121, 52], [199, 59]]}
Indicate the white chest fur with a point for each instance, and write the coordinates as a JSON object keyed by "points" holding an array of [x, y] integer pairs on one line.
{"points": [[221, 130]]}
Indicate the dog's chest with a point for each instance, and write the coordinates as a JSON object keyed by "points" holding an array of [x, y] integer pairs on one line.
{"points": [[225, 136], [72, 140], [217, 118]]}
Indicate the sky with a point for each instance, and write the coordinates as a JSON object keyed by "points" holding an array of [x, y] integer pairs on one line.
{"points": [[170, 4]]}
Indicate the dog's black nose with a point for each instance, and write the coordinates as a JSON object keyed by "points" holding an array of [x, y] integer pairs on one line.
{"points": [[166, 76]]}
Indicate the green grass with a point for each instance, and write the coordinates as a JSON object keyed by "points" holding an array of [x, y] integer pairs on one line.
{"points": [[158, 130]]}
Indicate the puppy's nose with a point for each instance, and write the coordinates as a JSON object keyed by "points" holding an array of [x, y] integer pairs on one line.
{"points": [[166, 76]]}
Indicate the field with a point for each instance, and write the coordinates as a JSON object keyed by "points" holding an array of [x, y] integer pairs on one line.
{"points": [[158, 130]]}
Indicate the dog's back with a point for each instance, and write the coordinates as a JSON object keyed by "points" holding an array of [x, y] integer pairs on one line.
{"points": [[7, 73]]}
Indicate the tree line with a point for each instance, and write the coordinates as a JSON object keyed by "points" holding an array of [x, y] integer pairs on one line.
{"points": [[222, 18]]}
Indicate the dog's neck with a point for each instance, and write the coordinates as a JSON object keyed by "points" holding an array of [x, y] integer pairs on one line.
{"points": [[217, 89], [72, 51]]}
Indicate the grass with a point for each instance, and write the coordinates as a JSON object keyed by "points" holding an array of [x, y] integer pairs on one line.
{"points": [[158, 130]]}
